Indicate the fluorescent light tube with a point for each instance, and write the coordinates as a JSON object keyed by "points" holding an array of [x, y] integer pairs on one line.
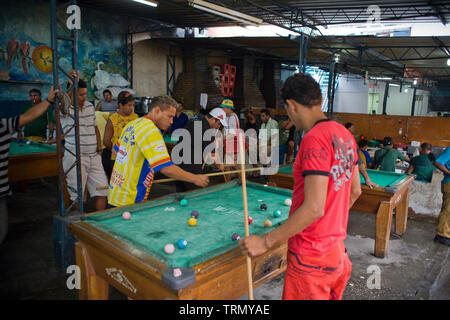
{"points": [[148, 2], [225, 12]]}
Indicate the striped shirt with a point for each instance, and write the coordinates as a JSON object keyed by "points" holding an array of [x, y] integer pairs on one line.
{"points": [[7, 127], [88, 122], [141, 152]]}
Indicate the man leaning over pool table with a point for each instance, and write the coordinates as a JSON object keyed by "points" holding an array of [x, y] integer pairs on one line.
{"points": [[326, 184], [7, 127], [141, 152]]}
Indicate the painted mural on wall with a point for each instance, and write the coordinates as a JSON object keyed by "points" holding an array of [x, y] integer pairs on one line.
{"points": [[25, 52]]}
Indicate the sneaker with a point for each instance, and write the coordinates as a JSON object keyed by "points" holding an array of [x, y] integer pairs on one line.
{"points": [[442, 240]]}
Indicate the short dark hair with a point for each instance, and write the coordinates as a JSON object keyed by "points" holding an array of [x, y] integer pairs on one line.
{"points": [[303, 89], [348, 125], [124, 97], [387, 141], [81, 84], [163, 102], [426, 146], [107, 90], [362, 143], [266, 111], [34, 90]]}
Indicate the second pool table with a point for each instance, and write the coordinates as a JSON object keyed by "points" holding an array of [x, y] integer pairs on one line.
{"points": [[391, 196], [129, 254], [31, 161]]}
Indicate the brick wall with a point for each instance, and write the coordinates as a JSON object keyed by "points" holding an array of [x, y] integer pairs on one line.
{"points": [[198, 78]]}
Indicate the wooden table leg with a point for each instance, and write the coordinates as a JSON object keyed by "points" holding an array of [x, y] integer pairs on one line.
{"points": [[92, 286], [401, 214], [383, 229]]}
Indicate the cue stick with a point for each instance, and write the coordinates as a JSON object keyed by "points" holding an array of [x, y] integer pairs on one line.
{"points": [[210, 174], [244, 196]]}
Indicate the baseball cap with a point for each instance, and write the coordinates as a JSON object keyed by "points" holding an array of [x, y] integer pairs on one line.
{"points": [[227, 103], [219, 114]]}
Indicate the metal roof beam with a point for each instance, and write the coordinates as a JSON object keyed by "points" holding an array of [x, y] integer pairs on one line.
{"points": [[373, 53]]}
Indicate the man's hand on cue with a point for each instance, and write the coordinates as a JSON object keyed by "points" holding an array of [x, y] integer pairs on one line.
{"points": [[253, 245], [201, 180]]}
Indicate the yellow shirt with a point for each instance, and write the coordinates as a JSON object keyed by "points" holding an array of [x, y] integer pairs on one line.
{"points": [[119, 122], [102, 118], [141, 152]]}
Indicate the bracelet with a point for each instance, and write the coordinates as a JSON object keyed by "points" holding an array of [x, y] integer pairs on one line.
{"points": [[49, 101]]}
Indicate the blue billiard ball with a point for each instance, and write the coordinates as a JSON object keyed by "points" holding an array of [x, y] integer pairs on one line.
{"points": [[182, 243], [277, 213], [183, 202]]}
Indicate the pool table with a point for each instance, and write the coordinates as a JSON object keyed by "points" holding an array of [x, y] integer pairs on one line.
{"points": [[31, 161], [391, 195], [129, 254]]}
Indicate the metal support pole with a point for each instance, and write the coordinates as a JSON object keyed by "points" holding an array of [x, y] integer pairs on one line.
{"points": [[413, 106], [302, 53], [386, 94], [331, 87], [63, 240]]}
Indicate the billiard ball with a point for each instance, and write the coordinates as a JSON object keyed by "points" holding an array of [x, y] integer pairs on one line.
{"points": [[28, 142], [194, 214], [183, 202], [126, 215], [235, 237], [169, 248], [250, 220], [182, 243], [192, 222], [263, 207], [287, 202], [177, 272], [276, 213], [267, 223]]}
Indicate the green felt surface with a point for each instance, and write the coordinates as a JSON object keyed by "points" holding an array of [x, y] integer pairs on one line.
{"points": [[171, 139], [16, 149], [156, 223], [286, 169], [381, 178]]}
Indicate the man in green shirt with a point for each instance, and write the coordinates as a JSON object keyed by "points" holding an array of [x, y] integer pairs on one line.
{"points": [[386, 157], [37, 130], [423, 165]]}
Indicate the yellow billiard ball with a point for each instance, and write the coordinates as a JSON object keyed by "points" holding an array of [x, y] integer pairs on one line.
{"points": [[192, 222]]}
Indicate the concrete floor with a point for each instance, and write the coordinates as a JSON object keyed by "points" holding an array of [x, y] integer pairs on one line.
{"points": [[416, 267]]}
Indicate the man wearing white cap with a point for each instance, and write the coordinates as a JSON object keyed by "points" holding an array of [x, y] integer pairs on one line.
{"points": [[196, 131]]}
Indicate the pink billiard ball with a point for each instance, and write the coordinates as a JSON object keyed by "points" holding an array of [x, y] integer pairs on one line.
{"points": [[126, 215]]}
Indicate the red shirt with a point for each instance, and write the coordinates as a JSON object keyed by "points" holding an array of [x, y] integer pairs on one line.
{"points": [[328, 149]]}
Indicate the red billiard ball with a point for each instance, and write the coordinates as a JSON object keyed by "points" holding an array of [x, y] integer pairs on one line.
{"points": [[250, 220]]}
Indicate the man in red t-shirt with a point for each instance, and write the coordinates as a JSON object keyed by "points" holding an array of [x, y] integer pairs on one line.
{"points": [[326, 184]]}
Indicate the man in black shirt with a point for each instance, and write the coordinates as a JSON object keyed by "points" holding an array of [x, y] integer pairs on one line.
{"points": [[195, 130]]}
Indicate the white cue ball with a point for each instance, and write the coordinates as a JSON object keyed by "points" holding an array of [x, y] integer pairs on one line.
{"points": [[287, 202], [169, 248]]}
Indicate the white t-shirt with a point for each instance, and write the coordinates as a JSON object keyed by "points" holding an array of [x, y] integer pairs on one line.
{"points": [[232, 124]]}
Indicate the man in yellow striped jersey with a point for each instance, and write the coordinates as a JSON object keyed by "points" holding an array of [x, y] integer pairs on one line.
{"points": [[141, 152]]}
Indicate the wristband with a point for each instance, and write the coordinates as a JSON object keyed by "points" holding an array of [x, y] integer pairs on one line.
{"points": [[49, 101]]}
